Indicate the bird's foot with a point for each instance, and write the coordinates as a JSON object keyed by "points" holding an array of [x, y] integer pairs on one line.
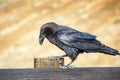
{"points": [[58, 58], [67, 67], [55, 57]]}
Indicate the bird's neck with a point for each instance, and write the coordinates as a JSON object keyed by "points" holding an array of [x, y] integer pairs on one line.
{"points": [[51, 38]]}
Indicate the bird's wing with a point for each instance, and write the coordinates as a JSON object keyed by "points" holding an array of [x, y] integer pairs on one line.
{"points": [[74, 38]]}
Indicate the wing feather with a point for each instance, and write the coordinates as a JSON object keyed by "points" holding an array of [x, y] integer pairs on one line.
{"points": [[74, 38]]}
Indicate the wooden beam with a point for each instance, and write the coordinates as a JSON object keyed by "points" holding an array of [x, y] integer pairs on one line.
{"points": [[88, 73]]}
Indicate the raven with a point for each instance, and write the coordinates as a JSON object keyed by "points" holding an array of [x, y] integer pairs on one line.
{"points": [[72, 41]]}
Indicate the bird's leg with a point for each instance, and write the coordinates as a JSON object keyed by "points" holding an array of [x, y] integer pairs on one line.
{"points": [[57, 57], [64, 56], [68, 65]]}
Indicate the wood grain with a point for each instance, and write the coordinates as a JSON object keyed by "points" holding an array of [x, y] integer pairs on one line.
{"points": [[48, 63], [91, 73]]}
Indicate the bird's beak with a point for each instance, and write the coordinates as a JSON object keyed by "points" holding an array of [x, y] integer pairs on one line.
{"points": [[41, 39]]}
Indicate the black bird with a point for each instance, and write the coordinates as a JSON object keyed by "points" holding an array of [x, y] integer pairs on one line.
{"points": [[72, 42]]}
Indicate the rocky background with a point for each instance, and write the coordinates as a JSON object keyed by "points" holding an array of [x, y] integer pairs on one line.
{"points": [[20, 21]]}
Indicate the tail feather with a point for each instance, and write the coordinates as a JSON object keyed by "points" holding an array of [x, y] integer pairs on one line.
{"points": [[110, 51]]}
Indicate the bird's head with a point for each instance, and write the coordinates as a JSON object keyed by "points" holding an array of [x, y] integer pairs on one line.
{"points": [[46, 30]]}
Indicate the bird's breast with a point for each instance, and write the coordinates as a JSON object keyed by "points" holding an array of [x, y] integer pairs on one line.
{"points": [[51, 39]]}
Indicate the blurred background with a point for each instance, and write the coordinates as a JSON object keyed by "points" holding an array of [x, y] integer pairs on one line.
{"points": [[20, 22]]}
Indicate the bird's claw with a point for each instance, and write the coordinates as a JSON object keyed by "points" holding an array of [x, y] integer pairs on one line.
{"points": [[55, 57], [66, 67]]}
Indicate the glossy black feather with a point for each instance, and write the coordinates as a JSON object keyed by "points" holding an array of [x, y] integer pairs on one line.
{"points": [[74, 42]]}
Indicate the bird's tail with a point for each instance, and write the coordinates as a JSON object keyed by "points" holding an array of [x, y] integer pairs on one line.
{"points": [[108, 50]]}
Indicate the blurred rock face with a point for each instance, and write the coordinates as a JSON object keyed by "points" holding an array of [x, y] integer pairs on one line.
{"points": [[20, 22]]}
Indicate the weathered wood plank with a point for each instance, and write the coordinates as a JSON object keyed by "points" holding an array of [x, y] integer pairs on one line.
{"points": [[48, 62], [91, 73]]}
